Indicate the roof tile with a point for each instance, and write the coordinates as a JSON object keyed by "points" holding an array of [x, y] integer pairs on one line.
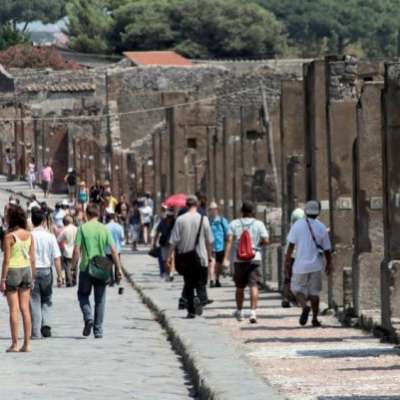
{"points": [[166, 58]]}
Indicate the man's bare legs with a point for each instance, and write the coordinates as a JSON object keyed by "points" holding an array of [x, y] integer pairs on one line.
{"points": [[254, 297], [239, 298]]}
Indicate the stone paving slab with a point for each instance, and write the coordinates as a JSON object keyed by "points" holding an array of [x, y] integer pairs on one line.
{"points": [[135, 360], [220, 368], [23, 191], [302, 363]]}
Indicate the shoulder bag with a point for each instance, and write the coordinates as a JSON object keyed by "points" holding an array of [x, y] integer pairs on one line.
{"points": [[190, 262], [100, 267], [320, 249]]}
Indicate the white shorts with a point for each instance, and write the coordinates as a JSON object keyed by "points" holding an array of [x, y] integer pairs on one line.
{"points": [[309, 284]]}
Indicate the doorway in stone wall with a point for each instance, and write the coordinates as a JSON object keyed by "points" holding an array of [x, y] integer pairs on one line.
{"points": [[56, 151]]}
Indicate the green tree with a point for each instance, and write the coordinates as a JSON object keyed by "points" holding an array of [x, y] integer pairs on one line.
{"points": [[10, 37], [16, 15], [198, 28], [88, 24], [316, 27], [16, 12], [142, 25], [220, 28]]}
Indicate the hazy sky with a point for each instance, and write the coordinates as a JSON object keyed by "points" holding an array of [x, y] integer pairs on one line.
{"points": [[38, 26]]}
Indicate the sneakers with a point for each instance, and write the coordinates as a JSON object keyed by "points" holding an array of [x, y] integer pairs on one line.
{"points": [[253, 317], [87, 330], [217, 284], [212, 284], [238, 314]]}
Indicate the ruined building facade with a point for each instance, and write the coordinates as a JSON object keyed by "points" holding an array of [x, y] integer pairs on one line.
{"points": [[275, 133]]}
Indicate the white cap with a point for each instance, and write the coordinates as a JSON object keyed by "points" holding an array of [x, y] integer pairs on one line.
{"points": [[213, 205], [70, 170], [312, 208], [65, 202]]}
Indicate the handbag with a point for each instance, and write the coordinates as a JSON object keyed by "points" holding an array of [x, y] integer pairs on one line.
{"points": [[154, 252], [190, 262], [100, 267]]}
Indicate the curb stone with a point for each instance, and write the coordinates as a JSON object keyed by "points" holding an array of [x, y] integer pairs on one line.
{"points": [[217, 370]]}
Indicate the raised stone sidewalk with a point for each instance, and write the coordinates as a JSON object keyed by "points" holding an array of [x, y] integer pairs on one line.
{"points": [[274, 359]]}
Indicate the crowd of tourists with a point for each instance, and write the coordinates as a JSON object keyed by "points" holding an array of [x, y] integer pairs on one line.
{"points": [[81, 239], [76, 243], [202, 245]]}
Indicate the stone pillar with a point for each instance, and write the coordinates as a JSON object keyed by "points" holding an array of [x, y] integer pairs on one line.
{"points": [[292, 150], [342, 132], [316, 155], [368, 203], [316, 146], [391, 192]]}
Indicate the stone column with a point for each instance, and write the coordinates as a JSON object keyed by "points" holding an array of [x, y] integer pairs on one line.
{"points": [[368, 202], [391, 193], [342, 132]]}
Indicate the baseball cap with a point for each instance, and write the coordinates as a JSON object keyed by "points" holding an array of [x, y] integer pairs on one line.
{"points": [[312, 208]]}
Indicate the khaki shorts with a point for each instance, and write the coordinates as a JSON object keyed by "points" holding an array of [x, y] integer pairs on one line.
{"points": [[309, 284]]}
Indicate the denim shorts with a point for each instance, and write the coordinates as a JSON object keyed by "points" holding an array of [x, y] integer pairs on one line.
{"points": [[19, 278]]}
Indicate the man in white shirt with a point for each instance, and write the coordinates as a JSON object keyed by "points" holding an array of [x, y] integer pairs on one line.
{"points": [[311, 239], [66, 240], [246, 273], [47, 254], [58, 216], [147, 215]]}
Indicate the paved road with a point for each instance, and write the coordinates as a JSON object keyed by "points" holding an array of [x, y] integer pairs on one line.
{"points": [[133, 361]]}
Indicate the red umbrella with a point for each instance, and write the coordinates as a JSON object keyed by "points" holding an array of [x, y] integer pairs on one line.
{"points": [[177, 200]]}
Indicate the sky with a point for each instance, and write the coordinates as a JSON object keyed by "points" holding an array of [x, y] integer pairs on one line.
{"points": [[38, 26]]}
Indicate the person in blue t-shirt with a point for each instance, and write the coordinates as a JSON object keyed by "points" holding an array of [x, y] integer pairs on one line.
{"points": [[219, 227], [118, 236]]}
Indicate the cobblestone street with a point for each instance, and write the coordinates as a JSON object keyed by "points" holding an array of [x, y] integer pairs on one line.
{"points": [[133, 361], [329, 363]]}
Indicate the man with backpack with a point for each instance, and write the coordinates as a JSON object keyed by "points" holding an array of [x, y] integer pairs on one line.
{"points": [[71, 181], [311, 239], [246, 236]]}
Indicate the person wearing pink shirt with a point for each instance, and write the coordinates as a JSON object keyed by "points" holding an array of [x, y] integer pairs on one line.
{"points": [[47, 176]]}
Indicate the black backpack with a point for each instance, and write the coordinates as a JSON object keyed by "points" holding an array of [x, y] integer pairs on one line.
{"points": [[71, 179]]}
